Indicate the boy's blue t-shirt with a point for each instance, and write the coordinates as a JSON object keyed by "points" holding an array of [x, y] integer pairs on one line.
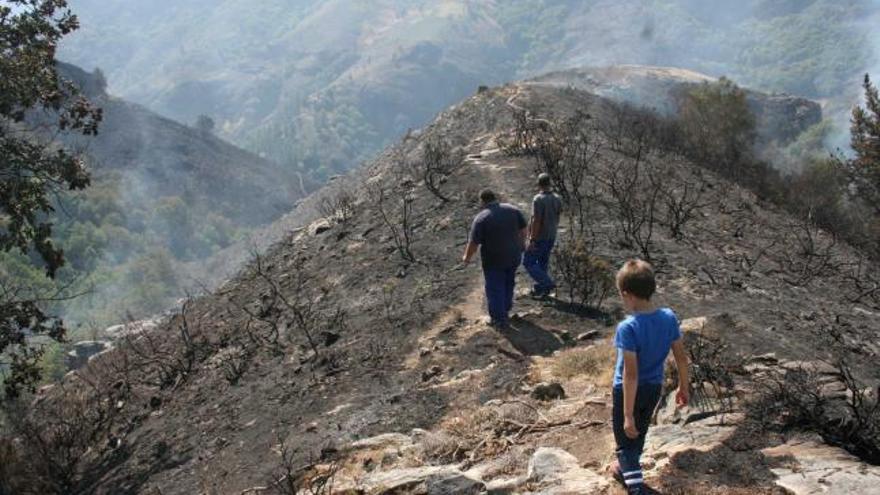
{"points": [[650, 336]]}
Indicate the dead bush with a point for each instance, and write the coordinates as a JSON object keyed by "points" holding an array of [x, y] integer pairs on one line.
{"points": [[636, 190], [812, 254], [234, 361], [864, 283], [683, 196], [567, 152], [15, 475], [596, 361], [288, 308], [711, 366], [64, 439], [521, 141], [338, 204], [166, 357], [396, 213], [798, 398], [588, 278], [438, 161]]}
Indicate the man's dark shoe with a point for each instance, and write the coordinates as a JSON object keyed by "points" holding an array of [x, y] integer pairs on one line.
{"points": [[499, 325], [539, 294]]}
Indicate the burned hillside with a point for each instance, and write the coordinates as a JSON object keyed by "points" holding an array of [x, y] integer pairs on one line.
{"points": [[364, 323]]}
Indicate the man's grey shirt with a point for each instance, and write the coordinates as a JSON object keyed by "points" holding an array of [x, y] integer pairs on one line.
{"points": [[497, 230], [547, 208]]}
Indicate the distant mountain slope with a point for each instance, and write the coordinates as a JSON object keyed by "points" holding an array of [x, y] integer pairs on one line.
{"points": [[162, 194], [158, 157], [327, 84]]}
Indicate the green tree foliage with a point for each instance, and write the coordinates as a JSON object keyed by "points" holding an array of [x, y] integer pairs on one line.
{"points": [[865, 140], [717, 124], [32, 167]]}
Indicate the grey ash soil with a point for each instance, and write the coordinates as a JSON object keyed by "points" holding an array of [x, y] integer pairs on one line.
{"points": [[394, 367]]}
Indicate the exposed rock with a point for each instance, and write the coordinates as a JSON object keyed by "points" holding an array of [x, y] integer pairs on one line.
{"points": [[548, 391], [408, 480], [779, 118], [693, 324], [591, 335], [558, 472], [809, 467], [398, 440], [319, 227], [446, 483], [431, 372], [664, 441], [810, 366], [83, 351], [766, 359], [131, 328]]}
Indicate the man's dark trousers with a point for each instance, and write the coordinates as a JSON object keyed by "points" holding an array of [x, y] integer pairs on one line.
{"points": [[537, 262], [629, 450], [500, 283]]}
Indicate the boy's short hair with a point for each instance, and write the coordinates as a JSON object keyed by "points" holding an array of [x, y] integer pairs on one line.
{"points": [[544, 180], [487, 196], [637, 278]]}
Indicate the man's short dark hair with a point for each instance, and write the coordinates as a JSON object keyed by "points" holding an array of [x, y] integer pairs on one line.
{"points": [[544, 180], [487, 196]]}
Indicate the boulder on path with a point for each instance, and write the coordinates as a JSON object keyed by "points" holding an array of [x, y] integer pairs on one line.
{"points": [[558, 472], [414, 480], [447, 483]]}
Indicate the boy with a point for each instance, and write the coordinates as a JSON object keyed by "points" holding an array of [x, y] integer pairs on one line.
{"points": [[643, 341]]}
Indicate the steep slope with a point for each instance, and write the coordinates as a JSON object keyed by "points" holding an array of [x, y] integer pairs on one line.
{"points": [[159, 157], [162, 194], [327, 84], [230, 396]]}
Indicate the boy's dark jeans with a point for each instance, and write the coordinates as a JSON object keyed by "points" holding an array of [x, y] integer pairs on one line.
{"points": [[629, 450]]}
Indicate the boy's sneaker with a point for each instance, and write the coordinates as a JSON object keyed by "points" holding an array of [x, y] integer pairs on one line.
{"points": [[636, 490]]}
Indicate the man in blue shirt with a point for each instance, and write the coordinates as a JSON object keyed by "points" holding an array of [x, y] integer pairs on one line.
{"points": [[499, 230]]}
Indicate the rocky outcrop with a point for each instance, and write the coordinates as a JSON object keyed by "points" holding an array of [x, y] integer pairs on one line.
{"points": [[779, 118], [809, 467], [555, 471], [83, 351]]}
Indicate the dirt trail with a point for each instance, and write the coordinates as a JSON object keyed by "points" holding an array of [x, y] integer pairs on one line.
{"points": [[468, 315]]}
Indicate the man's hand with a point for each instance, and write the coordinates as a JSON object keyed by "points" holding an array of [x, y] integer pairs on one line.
{"points": [[682, 397], [469, 251], [629, 427]]}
